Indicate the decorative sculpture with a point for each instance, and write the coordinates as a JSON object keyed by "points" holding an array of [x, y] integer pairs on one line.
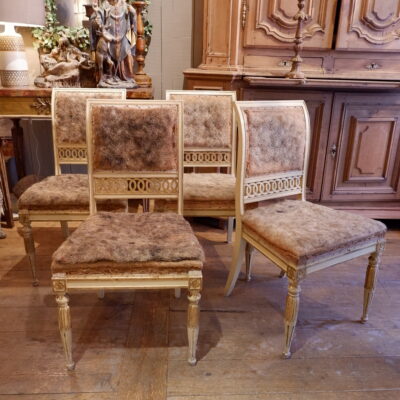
{"points": [[62, 66], [113, 33], [300, 17]]}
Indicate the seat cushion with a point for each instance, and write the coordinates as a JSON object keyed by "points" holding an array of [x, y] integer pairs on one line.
{"points": [[206, 187], [301, 231], [63, 193], [120, 242]]}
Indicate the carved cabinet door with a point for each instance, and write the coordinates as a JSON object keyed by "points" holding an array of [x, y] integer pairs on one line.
{"points": [[270, 23], [363, 157], [369, 25]]}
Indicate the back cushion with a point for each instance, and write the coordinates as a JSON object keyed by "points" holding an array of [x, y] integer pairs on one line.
{"points": [[276, 139], [70, 114], [207, 120], [134, 138]]}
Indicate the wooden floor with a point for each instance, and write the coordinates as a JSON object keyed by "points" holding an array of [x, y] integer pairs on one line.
{"points": [[133, 345]]}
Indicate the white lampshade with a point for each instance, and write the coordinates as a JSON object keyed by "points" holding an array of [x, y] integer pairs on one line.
{"points": [[13, 64]]}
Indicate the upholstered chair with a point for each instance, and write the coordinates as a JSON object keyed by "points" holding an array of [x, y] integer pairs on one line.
{"points": [[135, 152], [209, 132], [64, 197], [273, 217]]}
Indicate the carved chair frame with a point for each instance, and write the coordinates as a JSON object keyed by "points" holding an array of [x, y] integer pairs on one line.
{"points": [[274, 186], [119, 185], [198, 157], [63, 154]]}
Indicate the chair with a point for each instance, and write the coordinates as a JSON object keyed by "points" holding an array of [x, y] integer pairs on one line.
{"points": [[63, 197], [209, 132], [296, 235], [135, 152]]}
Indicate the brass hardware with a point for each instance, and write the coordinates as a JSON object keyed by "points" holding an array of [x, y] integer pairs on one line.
{"points": [[333, 150], [245, 9], [373, 66], [285, 63]]}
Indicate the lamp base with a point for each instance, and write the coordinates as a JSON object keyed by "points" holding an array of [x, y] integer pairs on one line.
{"points": [[13, 64]]}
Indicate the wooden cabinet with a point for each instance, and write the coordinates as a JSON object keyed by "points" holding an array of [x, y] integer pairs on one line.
{"points": [[369, 25], [363, 155], [271, 23], [351, 59]]}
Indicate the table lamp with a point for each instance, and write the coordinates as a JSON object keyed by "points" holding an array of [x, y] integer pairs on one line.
{"points": [[13, 64]]}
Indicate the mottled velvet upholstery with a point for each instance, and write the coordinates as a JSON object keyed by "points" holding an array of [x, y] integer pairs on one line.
{"points": [[302, 231], [276, 140], [207, 120], [142, 139], [64, 192], [122, 242], [209, 186], [70, 114]]}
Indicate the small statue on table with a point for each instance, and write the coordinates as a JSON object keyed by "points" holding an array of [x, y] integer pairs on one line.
{"points": [[113, 31], [62, 66]]}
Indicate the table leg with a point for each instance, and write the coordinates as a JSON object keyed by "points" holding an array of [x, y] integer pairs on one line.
{"points": [[18, 141]]}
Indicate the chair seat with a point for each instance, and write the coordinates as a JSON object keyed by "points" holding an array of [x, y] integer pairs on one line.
{"points": [[206, 187], [122, 242], [303, 232], [67, 192]]}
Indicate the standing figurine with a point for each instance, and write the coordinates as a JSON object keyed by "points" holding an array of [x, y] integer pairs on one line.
{"points": [[113, 38]]}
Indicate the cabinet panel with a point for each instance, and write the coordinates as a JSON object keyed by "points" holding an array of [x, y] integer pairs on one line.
{"points": [[364, 148], [319, 107], [369, 25], [270, 23]]}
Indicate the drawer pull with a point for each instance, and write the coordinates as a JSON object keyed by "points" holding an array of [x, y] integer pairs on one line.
{"points": [[373, 66], [333, 150], [285, 63]]}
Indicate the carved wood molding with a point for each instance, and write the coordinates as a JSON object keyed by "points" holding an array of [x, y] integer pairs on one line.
{"points": [[275, 21], [72, 154], [263, 189], [42, 105], [221, 158], [131, 186], [372, 24]]}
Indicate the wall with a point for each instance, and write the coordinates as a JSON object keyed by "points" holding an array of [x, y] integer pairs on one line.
{"points": [[171, 52]]}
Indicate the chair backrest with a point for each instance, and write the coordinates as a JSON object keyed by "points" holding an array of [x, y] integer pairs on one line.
{"points": [[68, 107], [209, 127], [274, 140], [135, 150]]}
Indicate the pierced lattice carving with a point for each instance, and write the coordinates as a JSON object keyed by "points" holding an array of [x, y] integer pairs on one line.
{"points": [[72, 154], [222, 158], [271, 187], [144, 186]]}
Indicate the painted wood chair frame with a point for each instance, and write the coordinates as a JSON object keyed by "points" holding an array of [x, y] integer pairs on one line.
{"points": [[64, 154], [131, 186], [274, 186], [201, 157]]}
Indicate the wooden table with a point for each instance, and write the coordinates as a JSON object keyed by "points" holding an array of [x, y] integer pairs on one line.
{"points": [[32, 102]]}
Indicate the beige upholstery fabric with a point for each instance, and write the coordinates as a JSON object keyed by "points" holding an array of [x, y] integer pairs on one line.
{"points": [[147, 239], [207, 120], [70, 115], [301, 231], [63, 192], [276, 140], [213, 186], [142, 139]]}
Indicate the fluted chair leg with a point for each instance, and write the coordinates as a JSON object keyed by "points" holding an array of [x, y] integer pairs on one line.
{"points": [[249, 258], [237, 258], [64, 229], [374, 261], [291, 313], [193, 318], [229, 231], [29, 245], [64, 324]]}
